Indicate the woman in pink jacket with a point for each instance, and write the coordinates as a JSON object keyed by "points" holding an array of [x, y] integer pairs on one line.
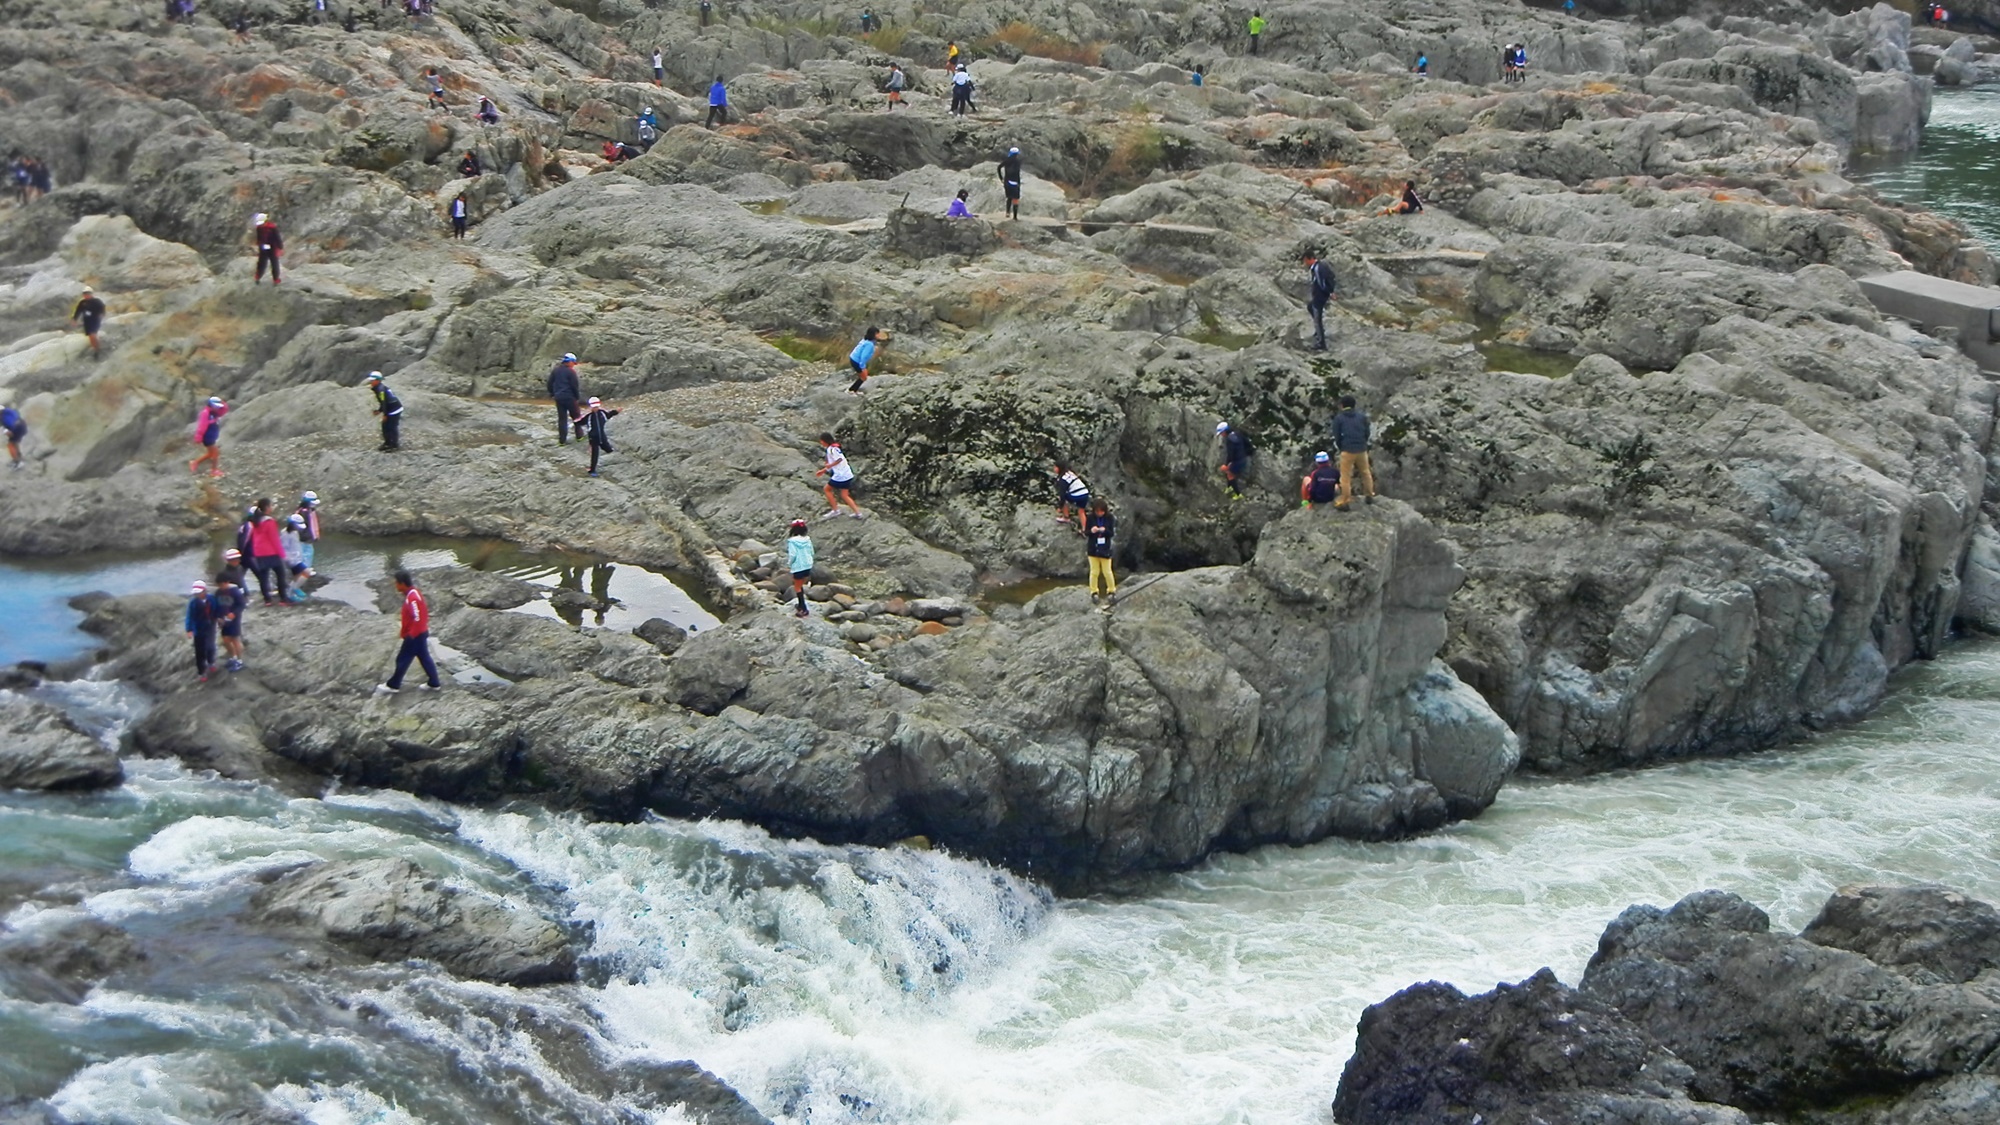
{"points": [[208, 435], [267, 553]]}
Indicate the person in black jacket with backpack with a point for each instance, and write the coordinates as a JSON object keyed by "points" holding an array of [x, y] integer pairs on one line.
{"points": [[567, 390], [1235, 465]]}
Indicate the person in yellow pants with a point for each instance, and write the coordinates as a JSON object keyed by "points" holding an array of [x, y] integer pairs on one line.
{"points": [[1351, 437], [1097, 532]]}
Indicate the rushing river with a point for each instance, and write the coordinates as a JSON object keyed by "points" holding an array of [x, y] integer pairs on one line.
{"points": [[1957, 170]]}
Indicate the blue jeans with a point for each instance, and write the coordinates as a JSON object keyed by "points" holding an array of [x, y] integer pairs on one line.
{"points": [[1318, 311], [415, 648]]}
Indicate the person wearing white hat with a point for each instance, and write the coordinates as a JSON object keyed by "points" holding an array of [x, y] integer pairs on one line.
{"points": [[961, 91], [1321, 485], [89, 313], [390, 408], [593, 424], [200, 624], [208, 435], [270, 247], [1010, 181], [307, 514], [1235, 458]]}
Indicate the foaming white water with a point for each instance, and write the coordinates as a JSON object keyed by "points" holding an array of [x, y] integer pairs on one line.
{"points": [[322, 1104]]}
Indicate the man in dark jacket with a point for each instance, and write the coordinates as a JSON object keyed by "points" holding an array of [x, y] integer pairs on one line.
{"points": [[1351, 437], [566, 389], [390, 408], [1320, 275], [89, 312]]}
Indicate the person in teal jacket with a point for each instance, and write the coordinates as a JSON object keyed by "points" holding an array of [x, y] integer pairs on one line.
{"points": [[863, 355], [799, 560]]}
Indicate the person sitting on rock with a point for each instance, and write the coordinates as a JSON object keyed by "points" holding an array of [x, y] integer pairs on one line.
{"points": [[718, 104], [863, 355], [208, 435], [89, 313], [1409, 204], [390, 409], [799, 560], [436, 84], [958, 208], [1072, 496], [488, 112], [17, 430], [1097, 533], [1321, 484], [270, 247], [1010, 181], [416, 634], [595, 422], [1235, 467], [839, 479]]}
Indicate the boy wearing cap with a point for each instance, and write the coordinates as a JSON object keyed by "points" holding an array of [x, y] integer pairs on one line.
{"points": [[200, 625], [390, 409], [230, 601], [594, 423], [270, 246], [1322, 484], [567, 390], [799, 560], [89, 312], [208, 435], [1235, 458]]}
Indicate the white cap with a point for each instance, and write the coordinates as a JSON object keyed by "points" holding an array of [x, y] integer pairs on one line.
{"points": [[214, 401], [198, 588], [297, 520], [1321, 456], [232, 553], [569, 357], [309, 498], [1222, 427], [373, 377], [649, 109], [592, 402], [1013, 152], [258, 219]]}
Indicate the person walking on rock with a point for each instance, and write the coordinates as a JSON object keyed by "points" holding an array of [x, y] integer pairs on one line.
{"points": [[863, 355], [1256, 26], [595, 423], [295, 556], [457, 211], [718, 104], [951, 55], [799, 560], [1235, 458], [567, 390], [208, 435], [1324, 286], [390, 409], [270, 247], [1320, 485], [839, 476], [267, 556], [1097, 533], [660, 63], [1072, 495], [89, 313], [230, 601], [199, 621], [1351, 437], [307, 516], [1010, 181], [17, 430], [436, 84], [416, 633], [896, 84], [961, 91]]}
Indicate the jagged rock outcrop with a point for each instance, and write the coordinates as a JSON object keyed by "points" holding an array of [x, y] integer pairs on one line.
{"points": [[1876, 1014], [40, 748]]}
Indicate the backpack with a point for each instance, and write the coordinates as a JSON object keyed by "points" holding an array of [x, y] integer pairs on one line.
{"points": [[244, 531]]}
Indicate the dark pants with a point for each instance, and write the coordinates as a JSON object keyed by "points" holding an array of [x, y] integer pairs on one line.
{"points": [[263, 257], [593, 456], [271, 572], [1253, 43], [959, 101], [418, 649], [458, 226], [717, 113], [565, 415], [204, 651], [1239, 471], [1013, 200], [1318, 311], [391, 435]]}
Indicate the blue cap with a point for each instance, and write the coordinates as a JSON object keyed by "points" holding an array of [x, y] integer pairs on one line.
{"points": [[569, 357], [1222, 427]]}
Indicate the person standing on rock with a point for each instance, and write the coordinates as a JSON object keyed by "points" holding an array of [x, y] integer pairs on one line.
{"points": [[1235, 465], [390, 409], [799, 560], [416, 634], [863, 355], [199, 621], [1010, 181], [1072, 496], [1324, 286], [707, 9], [1097, 533], [1321, 485], [961, 91], [1423, 64], [457, 210], [17, 430], [208, 435], [839, 479], [660, 63], [567, 390], [595, 424], [270, 247], [267, 555], [1351, 437], [897, 83], [718, 104], [307, 516], [89, 313], [230, 601], [867, 22], [295, 556], [951, 55], [1256, 26]]}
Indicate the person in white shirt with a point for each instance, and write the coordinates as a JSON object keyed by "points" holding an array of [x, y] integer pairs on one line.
{"points": [[839, 479]]}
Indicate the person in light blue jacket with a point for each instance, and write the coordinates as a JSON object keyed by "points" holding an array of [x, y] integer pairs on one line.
{"points": [[799, 559], [863, 355]]}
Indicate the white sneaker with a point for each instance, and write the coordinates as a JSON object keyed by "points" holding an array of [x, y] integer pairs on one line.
{"points": [[385, 689], [832, 514]]}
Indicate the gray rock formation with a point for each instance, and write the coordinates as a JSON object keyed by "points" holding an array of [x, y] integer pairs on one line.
{"points": [[391, 909], [41, 749], [1700, 1013]]}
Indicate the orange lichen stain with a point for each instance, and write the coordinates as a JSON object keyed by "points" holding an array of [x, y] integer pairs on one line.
{"points": [[250, 89]]}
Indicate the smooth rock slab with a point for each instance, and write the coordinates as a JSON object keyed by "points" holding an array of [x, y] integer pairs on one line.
{"points": [[41, 749]]}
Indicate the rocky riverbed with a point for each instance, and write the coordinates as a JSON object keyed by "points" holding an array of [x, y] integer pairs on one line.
{"points": [[1741, 503]]}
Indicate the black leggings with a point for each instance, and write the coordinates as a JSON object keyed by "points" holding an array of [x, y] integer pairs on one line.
{"points": [[270, 256], [204, 651], [593, 456], [272, 571]]}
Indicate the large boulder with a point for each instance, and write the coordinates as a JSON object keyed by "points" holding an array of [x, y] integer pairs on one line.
{"points": [[41, 749]]}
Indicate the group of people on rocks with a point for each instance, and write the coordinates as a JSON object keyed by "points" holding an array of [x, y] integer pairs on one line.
{"points": [[28, 176], [279, 556]]}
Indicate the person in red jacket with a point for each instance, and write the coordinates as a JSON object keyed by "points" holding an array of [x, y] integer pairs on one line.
{"points": [[270, 247], [267, 554], [416, 637]]}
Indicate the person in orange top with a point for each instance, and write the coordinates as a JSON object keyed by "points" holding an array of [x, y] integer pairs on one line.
{"points": [[416, 637]]}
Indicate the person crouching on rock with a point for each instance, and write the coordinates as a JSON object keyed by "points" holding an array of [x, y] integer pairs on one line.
{"points": [[1097, 533], [470, 166], [799, 560], [270, 247], [488, 112], [200, 625], [390, 409], [595, 422], [89, 313], [1072, 495], [1322, 484], [416, 633], [230, 601], [863, 355], [208, 435]]}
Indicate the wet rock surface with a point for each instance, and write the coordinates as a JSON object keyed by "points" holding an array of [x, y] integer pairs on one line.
{"points": [[40, 748], [1702, 1013]]}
